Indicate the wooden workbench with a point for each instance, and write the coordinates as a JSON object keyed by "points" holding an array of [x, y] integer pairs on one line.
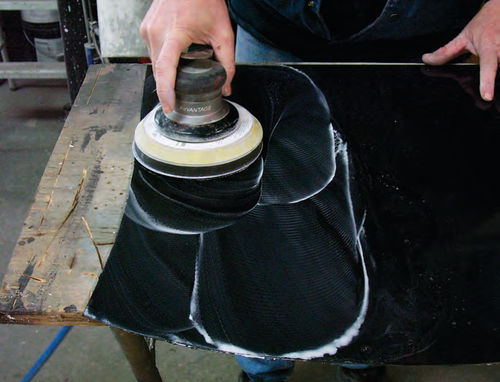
{"points": [[71, 226], [55, 265]]}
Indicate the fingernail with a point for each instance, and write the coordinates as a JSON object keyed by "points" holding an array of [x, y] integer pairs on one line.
{"points": [[488, 96], [167, 108], [226, 91], [170, 101]]}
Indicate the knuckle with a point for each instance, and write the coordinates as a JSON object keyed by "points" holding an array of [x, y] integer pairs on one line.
{"points": [[227, 37], [444, 49], [174, 44], [142, 30], [488, 35], [230, 70], [223, 39], [152, 29]]}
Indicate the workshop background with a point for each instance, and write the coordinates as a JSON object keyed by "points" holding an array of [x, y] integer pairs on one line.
{"points": [[43, 80]]}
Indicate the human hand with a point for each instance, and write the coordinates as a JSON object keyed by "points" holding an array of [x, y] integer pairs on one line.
{"points": [[467, 82], [480, 37], [170, 26]]}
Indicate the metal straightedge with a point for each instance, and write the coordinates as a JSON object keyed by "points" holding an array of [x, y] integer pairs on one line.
{"points": [[38, 70], [21, 5]]}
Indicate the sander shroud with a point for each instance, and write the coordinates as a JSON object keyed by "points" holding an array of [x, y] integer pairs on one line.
{"points": [[205, 136]]}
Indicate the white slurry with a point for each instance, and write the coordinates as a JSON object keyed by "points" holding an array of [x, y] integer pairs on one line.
{"points": [[329, 348], [138, 215]]}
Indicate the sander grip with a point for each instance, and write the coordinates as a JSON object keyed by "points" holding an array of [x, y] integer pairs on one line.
{"points": [[200, 76]]}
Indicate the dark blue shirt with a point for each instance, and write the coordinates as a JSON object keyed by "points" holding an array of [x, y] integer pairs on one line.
{"points": [[303, 28], [344, 18]]}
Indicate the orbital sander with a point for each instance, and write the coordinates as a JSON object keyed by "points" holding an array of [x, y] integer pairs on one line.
{"points": [[205, 136]]}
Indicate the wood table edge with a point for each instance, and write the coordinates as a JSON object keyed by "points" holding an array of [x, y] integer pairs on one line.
{"points": [[7, 298]]}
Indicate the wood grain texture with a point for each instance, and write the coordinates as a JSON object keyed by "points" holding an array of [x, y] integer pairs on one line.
{"points": [[55, 265]]}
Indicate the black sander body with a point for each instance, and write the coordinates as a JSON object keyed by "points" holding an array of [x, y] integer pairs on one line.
{"points": [[205, 136]]}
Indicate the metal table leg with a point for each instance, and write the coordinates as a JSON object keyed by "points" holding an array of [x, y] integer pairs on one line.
{"points": [[74, 36], [139, 355], [5, 56]]}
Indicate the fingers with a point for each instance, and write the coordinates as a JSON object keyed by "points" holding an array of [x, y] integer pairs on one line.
{"points": [[145, 29], [481, 37], [166, 68], [171, 26], [453, 49], [224, 52], [488, 65]]}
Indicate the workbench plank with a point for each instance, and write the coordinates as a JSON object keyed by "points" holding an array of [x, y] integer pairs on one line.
{"points": [[55, 264]]}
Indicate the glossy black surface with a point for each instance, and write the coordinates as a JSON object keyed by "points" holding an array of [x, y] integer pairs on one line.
{"points": [[413, 199], [425, 147]]}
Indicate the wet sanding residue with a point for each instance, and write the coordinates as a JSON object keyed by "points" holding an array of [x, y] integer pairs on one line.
{"points": [[258, 279], [355, 237]]}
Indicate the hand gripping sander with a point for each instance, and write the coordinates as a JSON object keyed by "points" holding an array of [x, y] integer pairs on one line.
{"points": [[205, 136]]}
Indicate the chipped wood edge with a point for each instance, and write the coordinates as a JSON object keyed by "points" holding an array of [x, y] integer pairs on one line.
{"points": [[52, 319]]}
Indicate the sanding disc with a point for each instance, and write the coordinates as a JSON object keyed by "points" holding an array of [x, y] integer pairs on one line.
{"points": [[198, 160]]}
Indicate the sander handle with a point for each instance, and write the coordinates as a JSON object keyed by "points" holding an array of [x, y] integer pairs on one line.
{"points": [[197, 73]]}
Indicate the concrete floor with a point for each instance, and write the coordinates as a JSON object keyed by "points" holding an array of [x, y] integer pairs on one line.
{"points": [[30, 122]]}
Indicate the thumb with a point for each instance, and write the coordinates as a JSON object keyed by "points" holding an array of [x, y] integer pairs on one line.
{"points": [[224, 52], [453, 49]]}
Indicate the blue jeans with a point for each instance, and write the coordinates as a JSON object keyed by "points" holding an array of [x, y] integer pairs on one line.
{"points": [[263, 370], [249, 49]]}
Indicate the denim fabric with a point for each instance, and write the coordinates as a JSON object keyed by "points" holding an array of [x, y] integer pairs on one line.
{"points": [[303, 13], [400, 19], [249, 49], [406, 19], [263, 370]]}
